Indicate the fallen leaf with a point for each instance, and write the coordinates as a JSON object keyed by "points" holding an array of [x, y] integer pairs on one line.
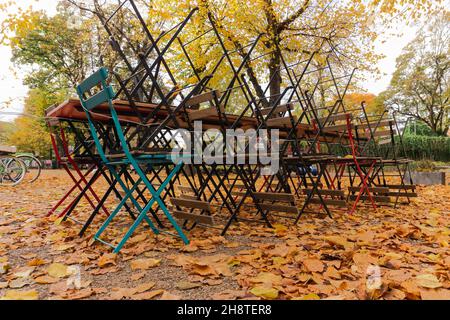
{"points": [[57, 270], [36, 262], [267, 278], [138, 276], [106, 260], [265, 292], [168, 296], [144, 287], [147, 295], [428, 281], [46, 280], [20, 295], [185, 285], [313, 265], [81, 294], [144, 264], [431, 294], [311, 296]]}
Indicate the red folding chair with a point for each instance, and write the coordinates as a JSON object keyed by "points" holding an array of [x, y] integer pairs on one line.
{"points": [[79, 178]]}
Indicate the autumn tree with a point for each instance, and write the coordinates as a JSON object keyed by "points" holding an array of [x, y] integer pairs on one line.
{"points": [[56, 52], [291, 29], [30, 131], [420, 86], [373, 104]]}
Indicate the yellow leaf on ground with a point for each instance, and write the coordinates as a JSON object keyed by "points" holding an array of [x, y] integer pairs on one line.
{"points": [[20, 295], [265, 292], [57, 270], [311, 296]]}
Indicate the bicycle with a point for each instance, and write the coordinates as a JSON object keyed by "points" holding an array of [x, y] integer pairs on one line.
{"points": [[33, 166], [12, 171]]}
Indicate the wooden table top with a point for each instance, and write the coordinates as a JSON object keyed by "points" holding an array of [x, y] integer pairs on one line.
{"points": [[71, 109]]}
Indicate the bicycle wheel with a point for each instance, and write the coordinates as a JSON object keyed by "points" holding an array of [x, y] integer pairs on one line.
{"points": [[12, 171], [33, 167]]}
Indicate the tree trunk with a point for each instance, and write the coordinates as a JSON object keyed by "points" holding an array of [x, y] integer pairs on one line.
{"points": [[275, 77]]}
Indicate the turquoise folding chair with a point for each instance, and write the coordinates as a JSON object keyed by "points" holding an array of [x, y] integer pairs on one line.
{"points": [[106, 94]]}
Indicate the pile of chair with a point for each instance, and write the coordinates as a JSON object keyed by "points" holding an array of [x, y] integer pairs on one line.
{"points": [[125, 127]]}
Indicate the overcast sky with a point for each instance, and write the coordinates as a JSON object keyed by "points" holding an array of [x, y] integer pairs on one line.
{"points": [[11, 87]]}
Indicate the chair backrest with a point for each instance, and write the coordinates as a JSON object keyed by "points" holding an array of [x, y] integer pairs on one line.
{"points": [[89, 101], [97, 79]]}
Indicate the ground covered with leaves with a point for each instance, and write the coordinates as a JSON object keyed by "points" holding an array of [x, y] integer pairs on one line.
{"points": [[390, 253]]}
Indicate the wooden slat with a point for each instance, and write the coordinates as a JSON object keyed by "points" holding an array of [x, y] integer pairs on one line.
{"points": [[204, 113], [279, 109], [204, 97], [326, 192], [374, 124], [403, 194], [283, 197], [279, 122], [329, 202], [238, 193], [375, 198], [278, 207], [335, 117], [401, 187], [185, 189], [371, 189], [188, 197], [194, 204], [342, 127], [204, 219], [320, 185]]}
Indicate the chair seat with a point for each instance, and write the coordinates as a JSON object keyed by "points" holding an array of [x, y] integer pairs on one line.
{"points": [[140, 157]]}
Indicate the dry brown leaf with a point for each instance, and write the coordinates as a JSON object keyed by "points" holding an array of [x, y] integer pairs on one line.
{"points": [[168, 296], [46, 280], [81, 294], [107, 260], [144, 287], [148, 295], [428, 281], [185, 285], [313, 265], [144, 264], [435, 294], [138, 276]]}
